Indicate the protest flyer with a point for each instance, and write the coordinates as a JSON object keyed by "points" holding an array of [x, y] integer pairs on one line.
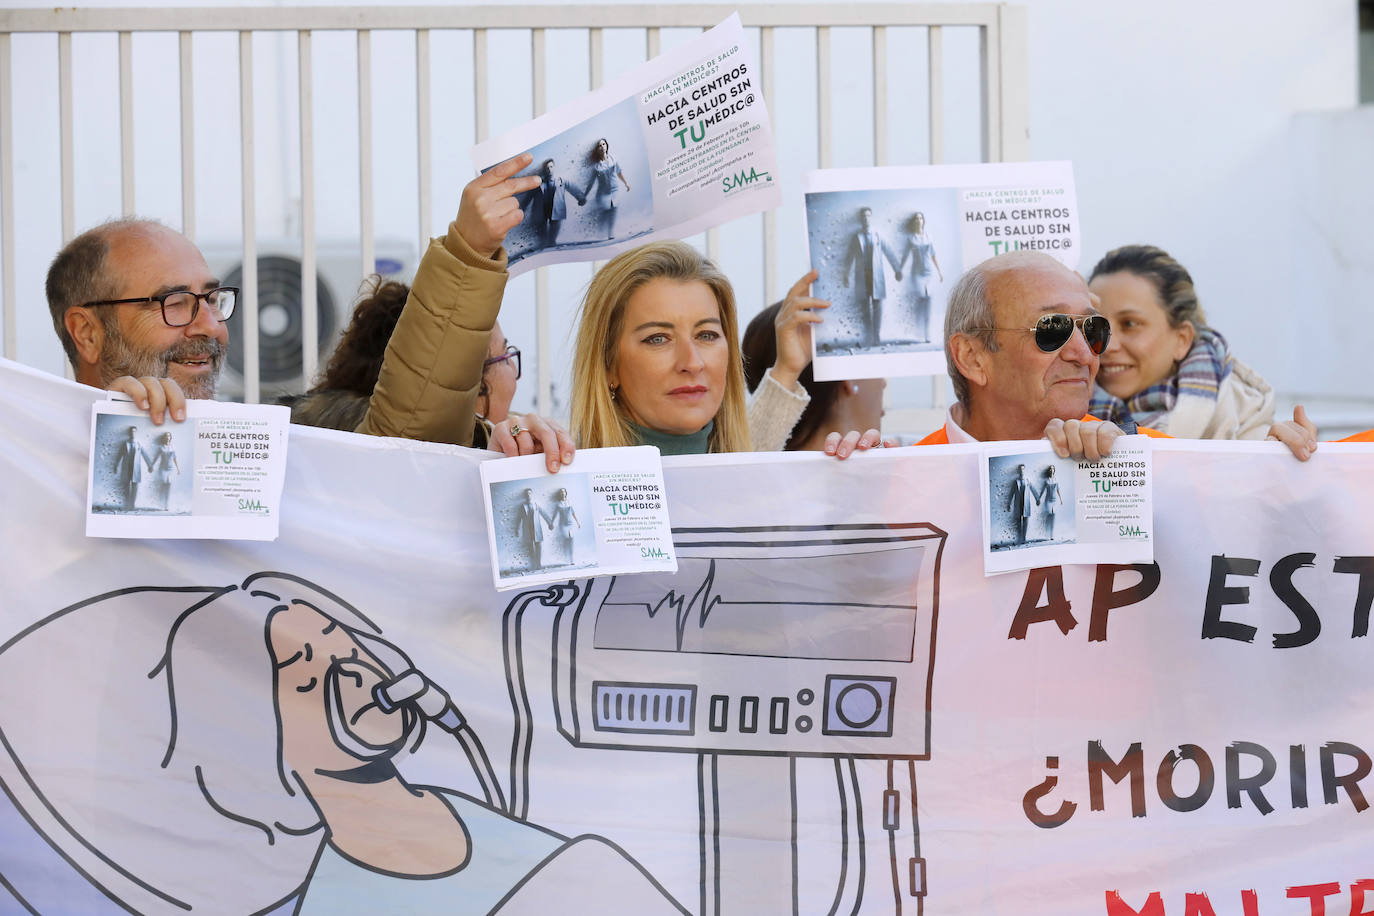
{"points": [[603, 515], [889, 244], [217, 475], [677, 145], [1043, 510]]}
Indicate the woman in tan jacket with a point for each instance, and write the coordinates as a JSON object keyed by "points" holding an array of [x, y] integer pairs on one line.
{"points": [[447, 372], [432, 371]]}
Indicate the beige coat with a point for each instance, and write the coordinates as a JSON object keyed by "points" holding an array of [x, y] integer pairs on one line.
{"points": [[1243, 409], [432, 371]]}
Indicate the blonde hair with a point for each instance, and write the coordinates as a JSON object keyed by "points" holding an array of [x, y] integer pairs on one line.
{"points": [[597, 420]]}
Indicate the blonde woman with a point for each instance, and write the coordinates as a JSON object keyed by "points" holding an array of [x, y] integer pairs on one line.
{"points": [[657, 360]]}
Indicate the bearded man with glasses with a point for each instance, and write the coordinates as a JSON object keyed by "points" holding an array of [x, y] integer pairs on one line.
{"points": [[138, 310]]}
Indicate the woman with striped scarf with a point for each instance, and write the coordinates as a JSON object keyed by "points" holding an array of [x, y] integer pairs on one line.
{"points": [[1164, 367]]}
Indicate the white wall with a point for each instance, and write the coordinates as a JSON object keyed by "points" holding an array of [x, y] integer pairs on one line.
{"points": [[1183, 120], [1332, 287]]}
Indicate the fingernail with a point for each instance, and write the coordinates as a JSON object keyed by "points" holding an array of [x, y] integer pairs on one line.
{"points": [[180, 415], [567, 457], [553, 465]]}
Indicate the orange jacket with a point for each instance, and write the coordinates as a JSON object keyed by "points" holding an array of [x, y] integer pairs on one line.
{"points": [[941, 437]]}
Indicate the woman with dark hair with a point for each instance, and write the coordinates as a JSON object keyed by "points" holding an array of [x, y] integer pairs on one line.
{"points": [[340, 399], [1164, 367], [601, 189], [827, 406]]}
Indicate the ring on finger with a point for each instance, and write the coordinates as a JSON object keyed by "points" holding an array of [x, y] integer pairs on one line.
{"points": [[516, 429]]}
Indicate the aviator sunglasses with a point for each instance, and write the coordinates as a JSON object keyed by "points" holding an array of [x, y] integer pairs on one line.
{"points": [[1053, 331]]}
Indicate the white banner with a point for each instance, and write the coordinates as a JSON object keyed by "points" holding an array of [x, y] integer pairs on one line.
{"points": [[828, 708]]}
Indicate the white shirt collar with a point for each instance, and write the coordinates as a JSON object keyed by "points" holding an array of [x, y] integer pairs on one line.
{"points": [[953, 431]]}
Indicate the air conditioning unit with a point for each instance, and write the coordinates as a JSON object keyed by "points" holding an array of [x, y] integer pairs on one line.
{"points": [[339, 277]]}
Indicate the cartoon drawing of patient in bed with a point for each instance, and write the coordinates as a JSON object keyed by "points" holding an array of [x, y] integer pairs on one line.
{"points": [[237, 750]]}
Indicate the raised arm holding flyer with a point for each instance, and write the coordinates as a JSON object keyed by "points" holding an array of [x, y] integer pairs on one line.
{"points": [[675, 146]]}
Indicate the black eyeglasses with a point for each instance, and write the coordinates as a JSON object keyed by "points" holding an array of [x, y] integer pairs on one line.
{"points": [[181, 307], [512, 353], [1053, 331]]}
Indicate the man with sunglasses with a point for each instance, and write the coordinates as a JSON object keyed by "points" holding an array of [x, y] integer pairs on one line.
{"points": [[1022, 339], [1022, 342], [138, 310]]}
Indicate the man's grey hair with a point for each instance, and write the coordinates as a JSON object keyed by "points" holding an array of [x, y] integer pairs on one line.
{"points": [[80, 274], [969, 312]]}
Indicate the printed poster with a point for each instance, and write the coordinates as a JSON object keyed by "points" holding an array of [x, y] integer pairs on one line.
{"points": [[606, 514], [890, 243], [217, 475], [1042, 510], [674, 147]]}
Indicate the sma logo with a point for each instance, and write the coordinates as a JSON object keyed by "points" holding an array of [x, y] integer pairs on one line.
{"points": [[743, 179]]}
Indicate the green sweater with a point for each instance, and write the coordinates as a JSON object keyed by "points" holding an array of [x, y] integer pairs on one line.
{"points": [[697, 443]]}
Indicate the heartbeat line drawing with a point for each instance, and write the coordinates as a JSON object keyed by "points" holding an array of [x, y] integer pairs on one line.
{"points": [[703, 598], [695, 605]]}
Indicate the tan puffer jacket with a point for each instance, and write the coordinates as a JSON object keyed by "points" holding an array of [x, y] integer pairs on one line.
{"points": [[433, 365]]}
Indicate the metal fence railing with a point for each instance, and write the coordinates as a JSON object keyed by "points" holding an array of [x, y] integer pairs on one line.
{"points": [[894, 32]]}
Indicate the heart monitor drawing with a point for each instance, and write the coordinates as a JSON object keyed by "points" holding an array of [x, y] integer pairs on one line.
{"points": [[807, 641]]}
